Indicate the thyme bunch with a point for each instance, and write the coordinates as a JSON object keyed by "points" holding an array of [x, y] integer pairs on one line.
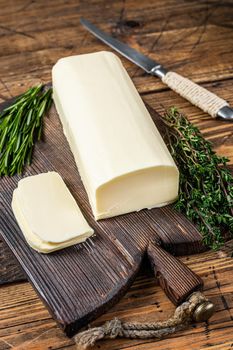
{"points": [[20, 126], [206, 185]]}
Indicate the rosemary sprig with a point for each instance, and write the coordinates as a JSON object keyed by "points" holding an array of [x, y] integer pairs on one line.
{"points": [[20, 126], [206, 185]]}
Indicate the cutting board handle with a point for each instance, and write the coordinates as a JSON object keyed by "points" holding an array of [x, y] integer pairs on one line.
{"points": [[175, 278]]}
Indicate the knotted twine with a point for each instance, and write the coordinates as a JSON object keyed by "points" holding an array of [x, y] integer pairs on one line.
{"points": [[181, 318]]}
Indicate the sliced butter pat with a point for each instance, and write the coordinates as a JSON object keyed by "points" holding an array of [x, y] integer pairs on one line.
{"points": [[122, 159], [47, 213]]}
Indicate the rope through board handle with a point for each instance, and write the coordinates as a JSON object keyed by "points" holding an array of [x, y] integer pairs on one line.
{"points": [[196, 308]]}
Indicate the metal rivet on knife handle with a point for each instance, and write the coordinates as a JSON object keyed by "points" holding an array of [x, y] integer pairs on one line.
{"points": [[225, 113]]}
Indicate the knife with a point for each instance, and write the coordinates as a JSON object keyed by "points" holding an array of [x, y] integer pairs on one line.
{"points": [[194, 93]]}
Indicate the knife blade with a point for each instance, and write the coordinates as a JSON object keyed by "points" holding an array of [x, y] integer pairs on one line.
{"points": [[194, 93], [146, 63]]}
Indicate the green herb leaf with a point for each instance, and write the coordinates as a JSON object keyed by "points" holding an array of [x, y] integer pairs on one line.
{"points": [[20, 127], [206, 185]]}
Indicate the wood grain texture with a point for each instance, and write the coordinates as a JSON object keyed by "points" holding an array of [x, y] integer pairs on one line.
{"points": [[175, 278], [26, 324], [10, 270], [192, 37], [78, 284]]}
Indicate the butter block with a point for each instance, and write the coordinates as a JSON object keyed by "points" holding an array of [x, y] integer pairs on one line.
{"points": [[122, 159], [47, 213]]}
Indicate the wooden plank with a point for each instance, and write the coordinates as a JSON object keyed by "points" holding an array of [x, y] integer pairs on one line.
{"points": [[26, 324], [200, 48], [40, 55]]}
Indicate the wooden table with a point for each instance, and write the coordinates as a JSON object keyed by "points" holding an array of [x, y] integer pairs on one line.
{"points": [[195, 38]]}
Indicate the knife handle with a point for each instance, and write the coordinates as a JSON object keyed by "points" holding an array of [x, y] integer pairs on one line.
{"points": [[175, 278], [198, 96]]}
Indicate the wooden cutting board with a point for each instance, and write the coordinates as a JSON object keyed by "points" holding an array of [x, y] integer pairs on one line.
{"points": [[78, 284]]}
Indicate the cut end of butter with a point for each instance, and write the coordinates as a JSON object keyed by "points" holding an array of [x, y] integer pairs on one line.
{"points": [[148, 188], [122, 159], [47, 213]]}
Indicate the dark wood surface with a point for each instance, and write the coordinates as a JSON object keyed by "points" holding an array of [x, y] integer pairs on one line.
{"points": [[78, 284], [10, 270], [175, 278], [193, 37]]}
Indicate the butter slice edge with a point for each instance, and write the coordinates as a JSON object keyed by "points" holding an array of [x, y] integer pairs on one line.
{"points": [[34, 236]]}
